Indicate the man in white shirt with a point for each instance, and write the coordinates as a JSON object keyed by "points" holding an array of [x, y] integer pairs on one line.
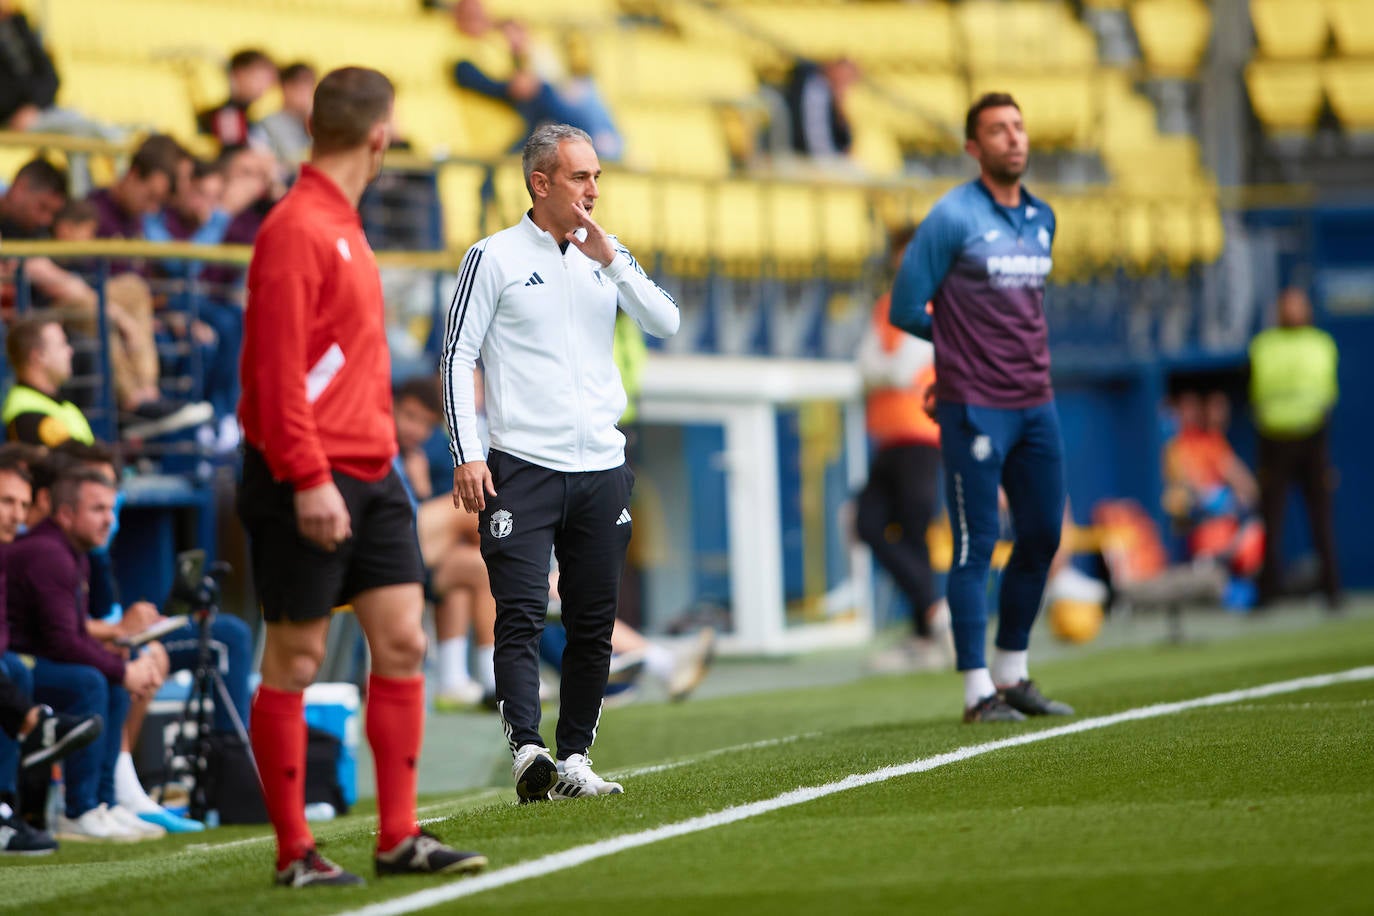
{"points": [[538, 302]]}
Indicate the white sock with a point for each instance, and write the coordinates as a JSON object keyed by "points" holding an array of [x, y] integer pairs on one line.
{"points": [[1009, 668], [977, 686], [659, 661], [128, 790], [453, 662], [484, 667]]}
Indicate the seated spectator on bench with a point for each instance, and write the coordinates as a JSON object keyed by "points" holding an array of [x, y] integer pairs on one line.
{"points": [[77, 221], [285, 133], [251, 75], [817, 106], [31, 735], [41, 359], [231, 645], [47, 582]]}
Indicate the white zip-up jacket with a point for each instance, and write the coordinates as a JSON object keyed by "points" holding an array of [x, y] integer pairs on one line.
{"points": [[543, 320]]}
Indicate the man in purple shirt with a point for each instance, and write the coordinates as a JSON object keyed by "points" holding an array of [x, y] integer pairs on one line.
{"points": [[980, 259], [47, 591], [30, 735]]}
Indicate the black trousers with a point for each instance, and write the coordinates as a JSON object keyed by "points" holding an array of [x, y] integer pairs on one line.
{"points": [[894, 511], [1305, 462], [584, 520]]}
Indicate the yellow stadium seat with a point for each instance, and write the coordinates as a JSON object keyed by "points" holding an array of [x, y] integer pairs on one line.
{"points": [[674, 139], [1024, 35], [925, 111], [738, 236], [1173, 34], [1348, 84], [629, 210], [876, 151], [1352, 22], [460, 195], [793, 227], [446, 122], [685, 224], [1289, 29], [878, 35], [848, 232], [1286, 95], [553, 11], [647, 67], [512, 200], [134, 95]]}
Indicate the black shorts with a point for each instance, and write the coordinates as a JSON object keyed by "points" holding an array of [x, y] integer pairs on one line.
{"points": [[298, 580]]}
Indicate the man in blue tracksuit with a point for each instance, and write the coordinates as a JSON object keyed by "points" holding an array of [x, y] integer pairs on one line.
{"points": [[980, 260]]}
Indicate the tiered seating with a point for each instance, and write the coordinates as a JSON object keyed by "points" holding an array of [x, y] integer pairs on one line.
{"points": [[1348, 86], [1289, 29], [1173, 34], [1352, 23], [1286, 94]]}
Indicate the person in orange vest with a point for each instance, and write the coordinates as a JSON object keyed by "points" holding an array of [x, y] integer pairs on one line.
{"points": [[897, 504]]}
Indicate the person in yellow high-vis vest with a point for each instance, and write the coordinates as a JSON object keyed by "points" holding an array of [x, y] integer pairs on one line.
{"points": [[1293, 389], [42, 360]]}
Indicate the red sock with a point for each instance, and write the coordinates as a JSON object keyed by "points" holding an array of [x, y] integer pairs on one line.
{"points": [[395, 729], [279, 737]]}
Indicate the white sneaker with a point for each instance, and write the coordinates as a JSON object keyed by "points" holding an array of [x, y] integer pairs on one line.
{"points": [[576, 780], [463, 695], [97, 825], [127, 819], [534, 772], [692, 665]]}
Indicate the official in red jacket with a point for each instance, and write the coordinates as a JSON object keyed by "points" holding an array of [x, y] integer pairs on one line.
{"points": [[328, 519]]}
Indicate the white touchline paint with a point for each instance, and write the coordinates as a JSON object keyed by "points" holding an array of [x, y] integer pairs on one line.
{"points": [[568, 858], [720, 751]]}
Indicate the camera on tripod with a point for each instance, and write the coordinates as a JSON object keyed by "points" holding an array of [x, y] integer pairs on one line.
{"points": [[195, 592]]}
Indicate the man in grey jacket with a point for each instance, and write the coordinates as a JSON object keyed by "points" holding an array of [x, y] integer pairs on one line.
{"points": [[538, 302]]}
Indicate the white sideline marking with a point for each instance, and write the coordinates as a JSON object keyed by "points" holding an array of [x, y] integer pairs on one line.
{"points": [[568, 858], [718, 752]]}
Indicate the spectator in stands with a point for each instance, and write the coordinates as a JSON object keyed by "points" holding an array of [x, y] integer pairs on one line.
{"points": [[1293, 389], [251, 75], [32, 200], [817, 106], [204, 210], [77, 221], [144, 189], [30, 734], [535, 88], [899, 500], [28, 79], [449, 547], [41, 359], [285, 133], [46, 590]]}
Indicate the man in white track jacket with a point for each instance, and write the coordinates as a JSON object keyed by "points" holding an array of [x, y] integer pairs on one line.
{"points": [[538, 302]]}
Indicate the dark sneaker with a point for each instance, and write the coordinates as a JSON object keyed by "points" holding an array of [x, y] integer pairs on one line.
{"points": [[55, 736], [423, 854], [992, 708], [534, 772], [1027, 698], [19, 839], [314, 869]]}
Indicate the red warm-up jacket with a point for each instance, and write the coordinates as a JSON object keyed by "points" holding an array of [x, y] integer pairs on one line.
{"points": [[315, 366]]}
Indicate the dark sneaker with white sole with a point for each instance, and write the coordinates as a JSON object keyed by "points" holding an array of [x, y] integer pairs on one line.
{"points": [[55, 736], [314, 870], [992, 708], [1025, 697], [424, 854], [17, 838]]}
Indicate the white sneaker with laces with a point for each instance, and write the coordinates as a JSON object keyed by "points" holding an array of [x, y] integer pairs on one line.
{"points": [[127, 819], [534, 772], [576, 780], [95, 824]]}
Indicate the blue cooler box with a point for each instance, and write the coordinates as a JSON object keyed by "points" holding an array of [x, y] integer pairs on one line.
{"points": [[334, 708]]}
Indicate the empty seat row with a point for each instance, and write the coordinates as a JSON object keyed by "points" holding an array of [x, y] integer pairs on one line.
{"points": [[1287, 96], [1299, 29]]}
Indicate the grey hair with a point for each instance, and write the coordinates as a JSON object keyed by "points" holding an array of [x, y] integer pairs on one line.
{"points": [[541, 149]]}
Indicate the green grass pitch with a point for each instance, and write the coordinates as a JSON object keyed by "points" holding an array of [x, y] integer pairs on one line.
{"points": [[1258, 806]]}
